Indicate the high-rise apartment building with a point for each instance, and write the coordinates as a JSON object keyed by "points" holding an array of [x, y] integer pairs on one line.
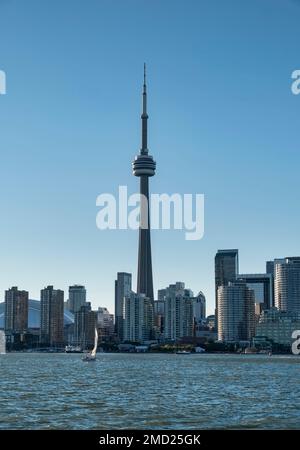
{"points": [[236, 312], [138, 318], [77, 297], [52, 317], [122, 289], [16, 310], [179, 314], [287, 284], [270, 269], [226, 270], [85, 324]]}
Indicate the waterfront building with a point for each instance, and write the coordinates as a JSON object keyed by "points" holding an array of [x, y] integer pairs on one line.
{"points": [[287, 284], [16, 311], [236, 313], [122, 290], [270, 269], [85, 324], [277, 326], [77, 298], [52, 317], [179, 312], [138, 318], [226, 270]]}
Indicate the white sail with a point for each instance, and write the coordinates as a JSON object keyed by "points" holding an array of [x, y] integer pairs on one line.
{"points": [[2, 343], [94, 351]]}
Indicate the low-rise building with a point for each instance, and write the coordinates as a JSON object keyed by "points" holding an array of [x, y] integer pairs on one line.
{"points": [[277, 326]]}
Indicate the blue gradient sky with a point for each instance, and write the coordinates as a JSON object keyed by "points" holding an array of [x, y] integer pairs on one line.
{"points": [[223, 122]]}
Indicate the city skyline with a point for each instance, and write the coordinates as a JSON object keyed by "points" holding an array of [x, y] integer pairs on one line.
{"points": [[261, 283], [55, 163]]}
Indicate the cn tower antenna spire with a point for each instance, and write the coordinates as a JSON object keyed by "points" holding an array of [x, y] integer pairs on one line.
{"points": [[144, 117]]}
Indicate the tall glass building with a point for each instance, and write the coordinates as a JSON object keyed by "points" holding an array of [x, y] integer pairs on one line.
{"points": [[122, 290], [179, 317], [287, 284], [226, 270], [77, 298], [236, 318]]}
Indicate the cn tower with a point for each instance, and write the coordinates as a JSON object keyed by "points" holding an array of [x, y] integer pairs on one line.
{"points": [[144, 167]]}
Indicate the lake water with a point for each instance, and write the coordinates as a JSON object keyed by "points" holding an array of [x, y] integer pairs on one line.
{"points": [[151, 391]]}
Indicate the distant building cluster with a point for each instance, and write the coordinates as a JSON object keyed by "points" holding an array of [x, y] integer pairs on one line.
{"points": [[260, 308], [59, 324], [175, 314]]}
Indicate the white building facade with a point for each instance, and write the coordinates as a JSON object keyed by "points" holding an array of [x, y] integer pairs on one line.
{"points": [[179, 314], [138, 318], [236, 312]]}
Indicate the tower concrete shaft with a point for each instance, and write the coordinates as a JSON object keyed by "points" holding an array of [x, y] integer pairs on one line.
{"points": [[144, 167]]}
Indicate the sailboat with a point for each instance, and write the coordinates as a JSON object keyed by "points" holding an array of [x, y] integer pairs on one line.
{"points": [[89, 357], [2, 343]]}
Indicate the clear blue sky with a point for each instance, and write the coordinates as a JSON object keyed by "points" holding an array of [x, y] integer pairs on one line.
{"points": [[223, 122]]}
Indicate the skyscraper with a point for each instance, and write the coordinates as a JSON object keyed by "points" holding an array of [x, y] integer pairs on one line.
{"points": [[16, 310], [179, 319], [287, 284], [199, 308], [122, 290], [138, 318], [77, 297], [85, 324], [270, 269], [236, 318], [144, 167], [226, 269], [52, 316]]}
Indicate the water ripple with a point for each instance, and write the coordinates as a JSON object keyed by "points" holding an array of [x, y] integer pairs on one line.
{"points": [[119, 391]]}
